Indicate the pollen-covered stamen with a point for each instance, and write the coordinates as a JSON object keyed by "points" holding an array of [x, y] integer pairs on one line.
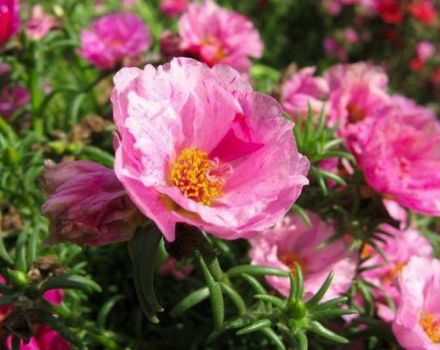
{"points": [[198, 177], [431, 325]]}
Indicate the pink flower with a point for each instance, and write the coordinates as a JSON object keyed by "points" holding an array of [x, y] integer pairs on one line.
{"points": [[40, 23], [173, 7], [214, 35], [12, 99], [302, 91], [290, 241], [400, 155], [337, 166], [398, 248], [333, 48], [9, 19], [173, 267], [86, 205], [357, 91], [44, 338], [198, 145], [113, 38], [417, 322], [424, 50], [350, 35]]}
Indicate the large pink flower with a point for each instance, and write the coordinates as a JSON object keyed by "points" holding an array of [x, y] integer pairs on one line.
{"points": [[198, 145], [303, 91], [87, 204], [399, 247], [113, 38], [9, 19], [417, 322], [214, 35], [290, 241], [400, 156]]}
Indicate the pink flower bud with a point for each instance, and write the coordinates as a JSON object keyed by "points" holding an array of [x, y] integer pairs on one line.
{"points": [[87, 205]]}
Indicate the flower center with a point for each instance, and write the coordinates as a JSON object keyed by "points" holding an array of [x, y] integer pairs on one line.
{"points": [[198, 177], [431, 325], [355, 113], [289, 259], [389, 276], [219, 53]]}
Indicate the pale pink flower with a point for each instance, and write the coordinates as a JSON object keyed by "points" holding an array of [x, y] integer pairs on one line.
{"points": [[400, 155], [398, 247], [40, 23], [173, 7], [424, 50], [303, 91], [290, 241], [9, 19], [198, 145], [12, 99], [175, 268], [214, 35], [417, 322], [87, 205], [113, 38]]}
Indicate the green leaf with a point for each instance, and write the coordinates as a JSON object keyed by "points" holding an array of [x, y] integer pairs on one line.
{"points": [[142, 248], [299, 279], [320, 330], [318, 315], [269, 333], [189, 301], [302, 214], [70, 282], [4, 253], [98, 155], [256, 271], [235, 298], [303, 343], [321, 292], [105, 310], [215, 291], [254, 327], [278, 302]]}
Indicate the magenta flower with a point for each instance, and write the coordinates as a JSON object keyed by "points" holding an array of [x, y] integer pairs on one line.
{"points": [[214, 35], [417, 322], [114, 38], [400, 155], [290, 241], [9, 19], [40, 23], [198, 145], [44, 338], [399, 247], [87, 205], [303, 91], [12, 99], [173, 7]]}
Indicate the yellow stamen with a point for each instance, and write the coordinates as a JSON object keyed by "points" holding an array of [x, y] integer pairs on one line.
{"points": [[431, 325], [220, 53], [191, 173], [389, 276]]}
